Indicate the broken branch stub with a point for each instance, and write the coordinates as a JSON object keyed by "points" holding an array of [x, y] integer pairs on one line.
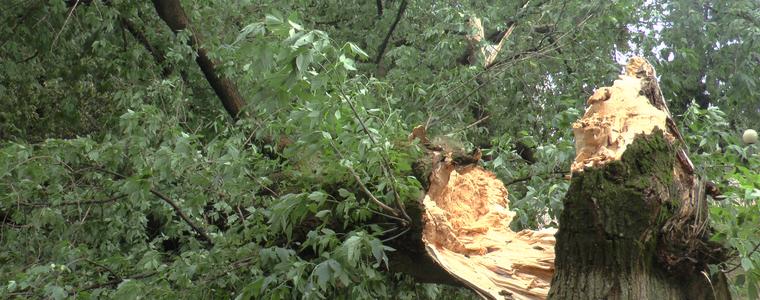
{"points": [[465, 230]]}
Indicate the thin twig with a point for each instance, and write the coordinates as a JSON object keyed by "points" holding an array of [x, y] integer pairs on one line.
{"points": [[386, 215], [757, 246], [198, 230], [262, 184], [471, 125], [499, 67], [77, 203], [71, 12], [115, 275], [398, 235], [385, 165], [178, 210], [114, 282], [112, 199], [364, 188], [158, 55]]}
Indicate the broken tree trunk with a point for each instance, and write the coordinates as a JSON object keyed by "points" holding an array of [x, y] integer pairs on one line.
{"points": [[461, 234], [634, 224]]}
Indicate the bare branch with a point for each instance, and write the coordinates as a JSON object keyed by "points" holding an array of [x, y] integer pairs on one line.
{"points": [[57, 35]]}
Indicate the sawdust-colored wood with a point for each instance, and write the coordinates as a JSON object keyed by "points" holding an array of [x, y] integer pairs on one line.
{"points": [[466, 231]]}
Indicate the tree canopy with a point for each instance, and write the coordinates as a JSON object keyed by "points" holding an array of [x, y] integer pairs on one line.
{"points": [[258, 149]]}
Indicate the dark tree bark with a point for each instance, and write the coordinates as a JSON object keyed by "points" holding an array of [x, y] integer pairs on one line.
{"points": [[158, 56], [611, 243], [411, 258], [384, 44], [172, 13], [635, 221]]}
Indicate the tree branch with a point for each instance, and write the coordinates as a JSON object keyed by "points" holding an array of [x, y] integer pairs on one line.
{"points": [[158, 56], [114, 282], [386, 166], [174, 16], [364, 188], [198, 230], [384, 45], [181, 214]]}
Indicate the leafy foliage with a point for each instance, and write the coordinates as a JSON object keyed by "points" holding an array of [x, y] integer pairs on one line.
{"points": [[122, 176]]}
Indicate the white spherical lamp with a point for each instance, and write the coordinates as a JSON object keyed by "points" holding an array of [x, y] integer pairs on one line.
{"points": [[749, 136]]}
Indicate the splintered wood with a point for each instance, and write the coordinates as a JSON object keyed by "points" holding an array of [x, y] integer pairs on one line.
{"points": [[614, 116], [466, 211], [466, 231]]}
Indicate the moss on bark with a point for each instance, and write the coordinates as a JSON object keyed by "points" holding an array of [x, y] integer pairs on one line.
{"points": [[607, 244]]}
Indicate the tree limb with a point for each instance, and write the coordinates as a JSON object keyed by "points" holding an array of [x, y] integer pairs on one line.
{"points": [[158, 56], [364, 188], [384, 45], [198, 230], [114, 282], [174, 16], [181, 214], [386, 166]]}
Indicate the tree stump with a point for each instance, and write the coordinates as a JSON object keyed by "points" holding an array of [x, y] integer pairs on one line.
{"points": [[634, 224]]}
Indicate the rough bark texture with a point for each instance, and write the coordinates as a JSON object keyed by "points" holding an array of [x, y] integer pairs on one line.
{"points": [[172, 13], [634, 224], [607, 245], [158, 55]]}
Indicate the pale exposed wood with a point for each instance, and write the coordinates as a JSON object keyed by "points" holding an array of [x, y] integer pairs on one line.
{"points": [[615, 115], [466, 231]]}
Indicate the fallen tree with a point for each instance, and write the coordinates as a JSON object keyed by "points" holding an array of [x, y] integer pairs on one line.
{"points": [[156, 207], [634, 226]]}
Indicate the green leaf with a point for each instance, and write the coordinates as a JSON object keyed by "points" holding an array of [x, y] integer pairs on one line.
{"points": [[56, 292], [295, 25], [251, 290], [322, 214], [304, 40], [746, 264], [323, 273], [348, 63], [353, 249], [357, 51], [272, 20], [326, 135]]}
